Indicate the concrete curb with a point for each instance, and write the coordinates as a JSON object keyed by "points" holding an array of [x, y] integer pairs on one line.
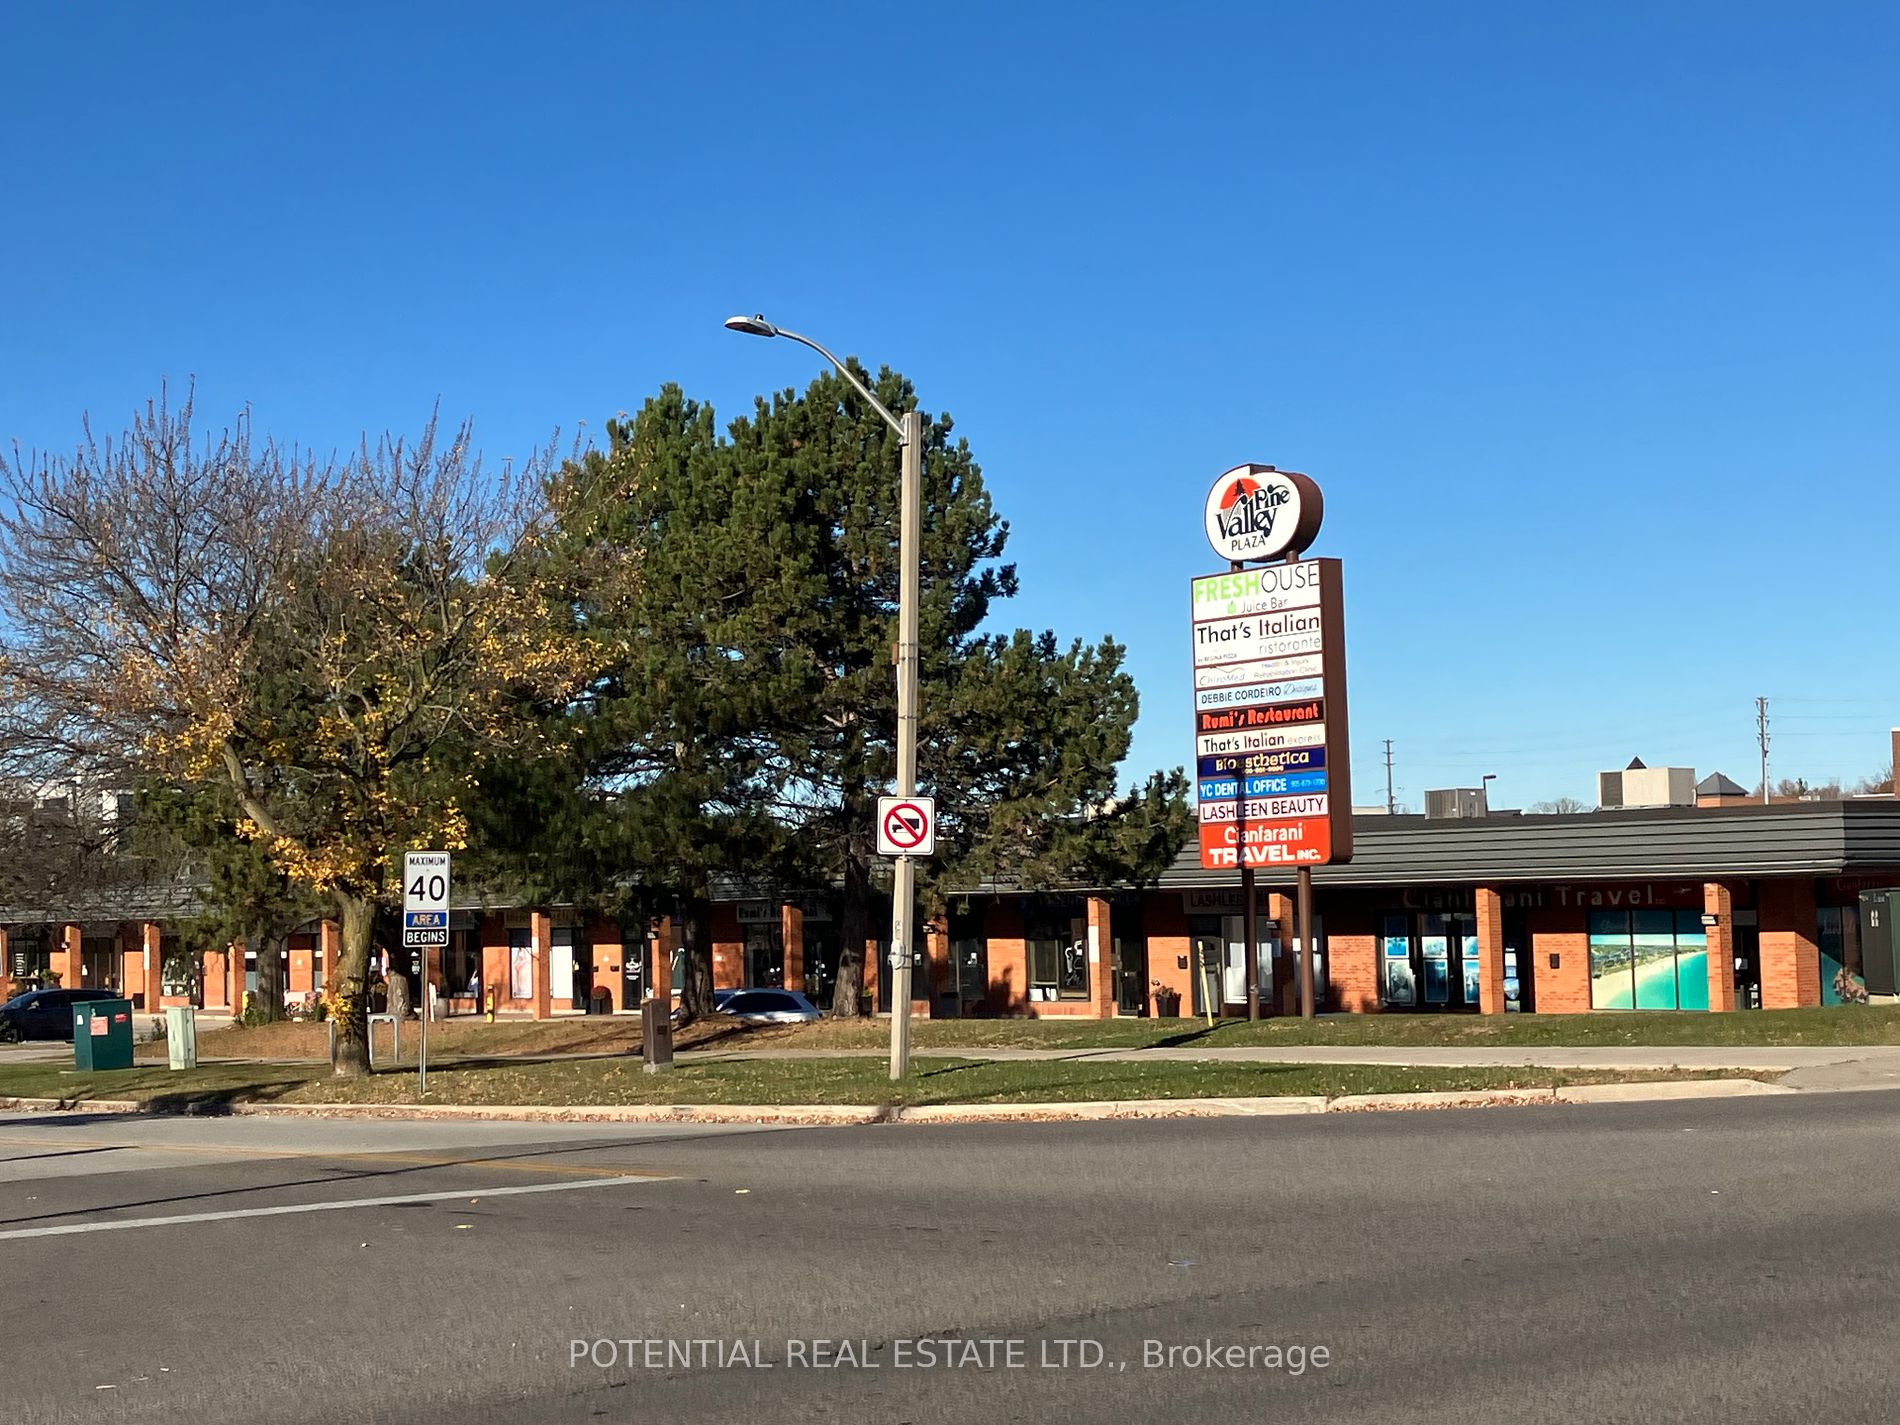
{"points": [[816, 1115]]}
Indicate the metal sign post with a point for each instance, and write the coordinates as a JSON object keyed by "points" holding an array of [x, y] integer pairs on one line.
{"points": [[906, 831], [425, 927]]}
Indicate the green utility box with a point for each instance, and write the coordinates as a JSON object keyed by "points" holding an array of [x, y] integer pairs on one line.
{"points": [[102, 1034]]}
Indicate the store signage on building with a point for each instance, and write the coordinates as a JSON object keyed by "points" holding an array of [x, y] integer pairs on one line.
{"points": [[1270, 745], [1257, 512]]}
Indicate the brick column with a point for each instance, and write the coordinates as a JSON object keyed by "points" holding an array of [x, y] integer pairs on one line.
{"points": [[541, 931], [1719, 901], [660, 974], [1490, 917], [1101, 951], [234, 972], [1790, 957], [791, 934], [936, 961], [330, 946], [7, 990], [1282, 996], [152, 948], [66, 959]]}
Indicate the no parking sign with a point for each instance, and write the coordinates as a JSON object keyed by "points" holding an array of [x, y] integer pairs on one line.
{"points": [[906, 826]]}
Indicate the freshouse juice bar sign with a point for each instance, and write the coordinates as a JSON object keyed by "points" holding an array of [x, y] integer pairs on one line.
{"points": [[1270, 745]]}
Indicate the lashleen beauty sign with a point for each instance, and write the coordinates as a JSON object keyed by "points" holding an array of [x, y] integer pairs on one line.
{"points": [[1272, 783]]}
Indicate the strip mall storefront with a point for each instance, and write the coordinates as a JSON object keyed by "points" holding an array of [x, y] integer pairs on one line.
{"points": [[1680, 909], [1677, 910]]}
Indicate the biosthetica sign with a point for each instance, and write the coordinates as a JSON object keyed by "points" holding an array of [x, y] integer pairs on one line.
{"points": [[1270, 744]]}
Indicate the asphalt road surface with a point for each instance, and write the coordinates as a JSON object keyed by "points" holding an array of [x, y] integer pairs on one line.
{"points": [[1696, 1261]]}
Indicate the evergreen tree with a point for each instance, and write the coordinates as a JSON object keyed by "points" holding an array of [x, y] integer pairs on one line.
{"points": [[746, 592]]}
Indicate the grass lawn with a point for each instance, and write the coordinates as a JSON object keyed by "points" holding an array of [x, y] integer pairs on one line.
{"points": [[1842, 1024], [796, 1081]]}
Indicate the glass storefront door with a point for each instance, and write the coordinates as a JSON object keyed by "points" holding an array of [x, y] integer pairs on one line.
{"points": [[1219, 949], [1430, 961]]}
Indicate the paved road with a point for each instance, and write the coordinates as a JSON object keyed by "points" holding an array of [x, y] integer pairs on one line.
{"points": [[1696, 1261]]}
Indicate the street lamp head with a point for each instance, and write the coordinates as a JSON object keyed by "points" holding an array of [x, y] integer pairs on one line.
{"points": [[754, 325]]}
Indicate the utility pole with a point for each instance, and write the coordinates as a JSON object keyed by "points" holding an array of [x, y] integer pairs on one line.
{"points": [[1391, 802], [1761, 736]]}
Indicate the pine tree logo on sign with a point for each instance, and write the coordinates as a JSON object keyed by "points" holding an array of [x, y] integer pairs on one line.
{"points": [[1257, 512]]}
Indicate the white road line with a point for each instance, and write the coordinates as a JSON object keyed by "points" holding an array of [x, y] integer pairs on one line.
{"points": [[120, 1224]]}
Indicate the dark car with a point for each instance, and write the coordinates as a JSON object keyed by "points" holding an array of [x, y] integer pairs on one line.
{"points": [[43, 1014]]}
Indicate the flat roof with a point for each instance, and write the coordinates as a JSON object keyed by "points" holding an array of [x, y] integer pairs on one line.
{"points": [[1783, 839]]}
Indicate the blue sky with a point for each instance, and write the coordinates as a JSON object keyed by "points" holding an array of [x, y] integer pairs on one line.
{"points": [[1584, 317]]}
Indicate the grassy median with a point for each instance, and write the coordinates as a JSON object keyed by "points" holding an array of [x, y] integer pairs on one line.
{"points": [[1845, 1024], [571, 1082]]}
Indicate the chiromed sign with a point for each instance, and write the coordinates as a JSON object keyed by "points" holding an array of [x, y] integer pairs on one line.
{"points": [[1270, 747]]}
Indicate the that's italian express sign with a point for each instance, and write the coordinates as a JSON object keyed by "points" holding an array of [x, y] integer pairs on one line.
{"points": [[1270, 746]]}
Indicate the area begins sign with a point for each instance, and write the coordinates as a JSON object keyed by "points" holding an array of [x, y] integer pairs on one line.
{"points": [[425, 900]]}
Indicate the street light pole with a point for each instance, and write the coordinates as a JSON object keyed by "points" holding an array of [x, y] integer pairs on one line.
{"points": [[910, 433]]}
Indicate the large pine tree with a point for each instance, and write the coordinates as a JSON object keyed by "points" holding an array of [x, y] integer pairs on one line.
{"points": [[743, 592]]}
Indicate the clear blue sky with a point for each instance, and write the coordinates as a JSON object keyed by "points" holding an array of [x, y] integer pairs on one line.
{"points": [[1584, 316]]}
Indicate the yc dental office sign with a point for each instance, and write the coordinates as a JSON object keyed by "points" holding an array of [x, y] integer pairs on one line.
{"points": [[1273, 785]]}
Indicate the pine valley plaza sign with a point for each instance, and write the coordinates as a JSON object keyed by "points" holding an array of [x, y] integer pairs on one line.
{"points": [[1270, 743]]}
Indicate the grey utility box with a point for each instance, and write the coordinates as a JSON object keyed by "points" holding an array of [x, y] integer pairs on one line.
{"points": [[181, 1036]]}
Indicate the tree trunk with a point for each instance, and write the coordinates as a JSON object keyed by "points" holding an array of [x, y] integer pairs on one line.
{"points": [[696, 936], [847, 999], [351, 988], [270, 973]]}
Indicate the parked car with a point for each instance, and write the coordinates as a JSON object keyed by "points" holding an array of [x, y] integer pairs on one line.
{"points": [[770, 1007], [43, 1014]]}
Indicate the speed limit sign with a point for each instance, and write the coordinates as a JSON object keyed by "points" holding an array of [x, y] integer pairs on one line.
{"points": [[425, 900]]}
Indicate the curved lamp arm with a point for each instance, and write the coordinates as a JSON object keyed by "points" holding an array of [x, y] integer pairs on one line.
{"points": [[759, 326]]}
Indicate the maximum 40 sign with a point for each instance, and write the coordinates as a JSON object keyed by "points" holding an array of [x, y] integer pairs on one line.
{"points": [[425, 900]]}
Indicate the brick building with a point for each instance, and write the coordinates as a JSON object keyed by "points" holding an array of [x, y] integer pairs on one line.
{"points": [[1673, 908]]}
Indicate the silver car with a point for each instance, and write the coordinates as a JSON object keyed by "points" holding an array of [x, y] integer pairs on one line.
{"points": [[771, 1007]]}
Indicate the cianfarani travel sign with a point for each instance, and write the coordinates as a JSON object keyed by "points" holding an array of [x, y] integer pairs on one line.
{"points": [[1273, 781]]}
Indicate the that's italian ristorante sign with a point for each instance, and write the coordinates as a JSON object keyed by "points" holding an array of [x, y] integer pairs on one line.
{"points": [[1272, 782]]}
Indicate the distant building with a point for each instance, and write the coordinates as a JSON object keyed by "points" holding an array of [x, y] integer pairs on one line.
{"points": [[1638, 785], [1716, 790]]}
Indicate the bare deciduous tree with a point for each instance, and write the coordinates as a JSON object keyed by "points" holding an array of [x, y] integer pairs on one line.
{"points": [[331, 640]]}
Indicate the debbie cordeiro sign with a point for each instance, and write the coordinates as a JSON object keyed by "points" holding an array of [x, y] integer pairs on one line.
{"points": [[1272, 778]]}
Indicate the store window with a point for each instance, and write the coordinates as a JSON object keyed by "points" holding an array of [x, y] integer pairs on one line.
{"points": [[764, 951], [1055, 944], [28, 953], [178, 968], [521, 964], [969, 961], [462, 965], [1648, 959], [1395, 944], [1837, 935]]}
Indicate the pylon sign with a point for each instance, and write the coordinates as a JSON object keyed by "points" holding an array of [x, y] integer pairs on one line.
{"points": [[1272, 784], [906, 826]]}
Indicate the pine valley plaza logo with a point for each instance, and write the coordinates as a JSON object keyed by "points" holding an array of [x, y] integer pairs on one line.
{"points": [[1270, 745], [1257, 512]]}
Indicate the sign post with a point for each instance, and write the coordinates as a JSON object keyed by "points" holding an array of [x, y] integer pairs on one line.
{"points": [[1273, 783], [906, 832], [425, 927]]}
